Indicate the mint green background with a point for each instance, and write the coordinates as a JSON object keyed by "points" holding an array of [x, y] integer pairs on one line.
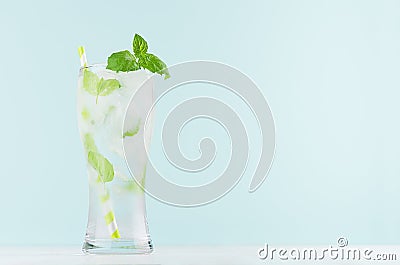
{"points": [[329, 69]]}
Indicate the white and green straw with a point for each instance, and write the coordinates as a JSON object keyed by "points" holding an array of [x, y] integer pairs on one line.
{"points": [[82, 56], [108, 212], [104, 196]]}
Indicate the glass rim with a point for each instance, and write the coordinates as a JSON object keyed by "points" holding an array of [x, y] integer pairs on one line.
{"points": [[104, 65], [93, 65]]}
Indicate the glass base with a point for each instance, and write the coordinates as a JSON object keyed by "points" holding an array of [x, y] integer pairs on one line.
{"points": [[117, 247]]}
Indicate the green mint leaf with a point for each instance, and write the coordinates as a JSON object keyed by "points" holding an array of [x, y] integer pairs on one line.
{"points": [[132, 132], [98, 87], [154, 64], [105, 87], [123, 61], [88, 143], [103, 167], [139, 45], [90, 81]]}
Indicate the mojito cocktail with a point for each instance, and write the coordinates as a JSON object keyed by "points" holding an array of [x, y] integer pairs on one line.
{"points": [[117, 215], [109, 129]]}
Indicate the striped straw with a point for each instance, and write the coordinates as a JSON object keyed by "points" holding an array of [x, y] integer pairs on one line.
{"points": [[82, 56], [109, 216]]}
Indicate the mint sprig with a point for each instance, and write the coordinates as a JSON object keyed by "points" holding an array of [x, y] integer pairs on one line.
{"points": [[125, 61], [98, 86]]}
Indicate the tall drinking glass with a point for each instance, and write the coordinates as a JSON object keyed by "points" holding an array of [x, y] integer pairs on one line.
{"points": [[117, 215]]}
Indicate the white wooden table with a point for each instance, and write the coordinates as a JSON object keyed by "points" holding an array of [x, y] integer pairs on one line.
{"points": [[187, 255]]}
